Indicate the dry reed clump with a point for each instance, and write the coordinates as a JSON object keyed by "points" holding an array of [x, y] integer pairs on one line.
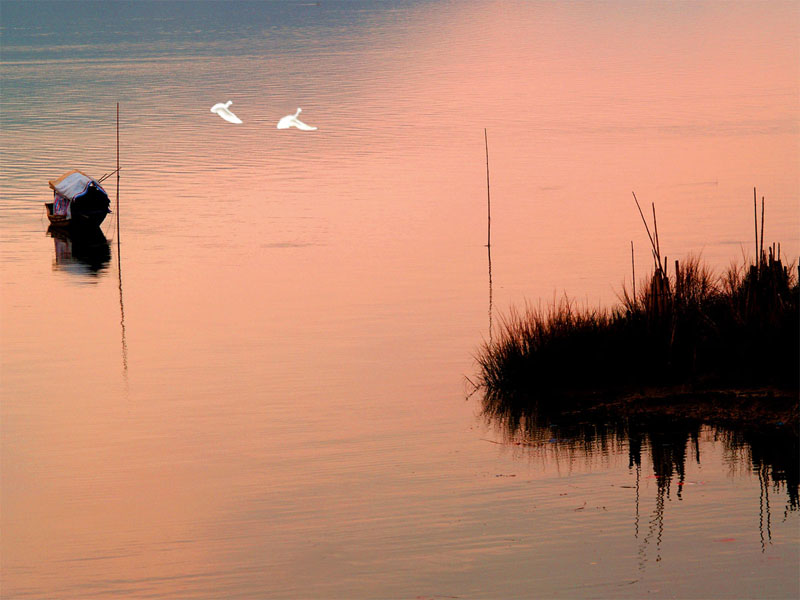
{"points": [[688, 327], [740, 329], [555, 349]]}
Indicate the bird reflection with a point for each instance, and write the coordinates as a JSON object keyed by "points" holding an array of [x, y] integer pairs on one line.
{"points": [[83, 252]]}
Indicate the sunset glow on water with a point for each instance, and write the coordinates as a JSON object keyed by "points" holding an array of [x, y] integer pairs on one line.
{"points": [[260, 388]]}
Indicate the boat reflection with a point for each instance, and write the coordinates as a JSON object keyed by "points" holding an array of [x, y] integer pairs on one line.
{"points": [[84, 252], [766, 443]]}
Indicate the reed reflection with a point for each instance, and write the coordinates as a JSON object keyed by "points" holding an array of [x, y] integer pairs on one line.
{"points": [[84, 252], [670, 439], [775, 460]]}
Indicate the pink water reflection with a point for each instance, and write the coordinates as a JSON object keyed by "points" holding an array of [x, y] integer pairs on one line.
{"points": [[289, 419]]}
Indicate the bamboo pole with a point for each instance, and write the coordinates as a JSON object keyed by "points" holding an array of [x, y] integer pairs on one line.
{"points": [[107, 175], [755, 221], [119, 273], [488, 197], [117, 177], [633, 271], [488, 229], [761, 253], [491, 310]]}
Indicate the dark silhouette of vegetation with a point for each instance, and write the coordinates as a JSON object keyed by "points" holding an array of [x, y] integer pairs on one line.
{"points": [[683, 328]]}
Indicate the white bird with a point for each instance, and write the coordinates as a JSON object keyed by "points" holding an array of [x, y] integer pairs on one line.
{"points": [[223, 111], [293, 121]]}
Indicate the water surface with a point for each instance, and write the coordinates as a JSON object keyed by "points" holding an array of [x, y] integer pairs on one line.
{"points": [[258, 388]]}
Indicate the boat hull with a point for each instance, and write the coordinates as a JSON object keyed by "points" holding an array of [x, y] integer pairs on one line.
{"points": [[80, 219]]}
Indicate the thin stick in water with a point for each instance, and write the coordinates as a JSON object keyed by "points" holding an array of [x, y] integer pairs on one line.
{"points": [[119, 271], [117, 175], [488, 230], [755, 220], [761, 254], [491, 310], [488, 197], [633, 269]]}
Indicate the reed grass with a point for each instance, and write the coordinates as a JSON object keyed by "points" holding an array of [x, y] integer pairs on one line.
{"points": [[689, 327]]}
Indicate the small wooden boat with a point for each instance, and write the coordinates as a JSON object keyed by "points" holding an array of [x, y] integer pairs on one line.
{"points": [[56, 220], [78, 201]]}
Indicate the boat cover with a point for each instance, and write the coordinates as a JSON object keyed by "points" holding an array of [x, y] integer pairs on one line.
{"points": [[73, 185]]}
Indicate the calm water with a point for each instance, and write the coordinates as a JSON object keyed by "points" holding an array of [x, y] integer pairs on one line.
{"points": [[258, 389]]}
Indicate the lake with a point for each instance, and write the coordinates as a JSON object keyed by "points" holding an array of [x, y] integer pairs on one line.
{"points": [[259, 387]]}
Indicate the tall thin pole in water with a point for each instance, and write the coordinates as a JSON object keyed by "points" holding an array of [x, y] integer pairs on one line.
{"points": [[488, 197], [761, 247], [118, 176], [488, 231], [633, 269], [119, 270], [489, 252], [755, 222]]}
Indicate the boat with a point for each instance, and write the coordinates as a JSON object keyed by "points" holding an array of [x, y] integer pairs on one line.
{"points": [[79, 201]]}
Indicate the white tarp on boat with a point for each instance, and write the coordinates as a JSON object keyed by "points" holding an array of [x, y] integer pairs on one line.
{"points": [[73, 184]]}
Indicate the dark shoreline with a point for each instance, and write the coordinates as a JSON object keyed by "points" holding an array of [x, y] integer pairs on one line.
{"points": [[751, 408], [734, 407]]}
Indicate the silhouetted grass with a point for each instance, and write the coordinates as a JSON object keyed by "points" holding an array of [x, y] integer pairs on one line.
{"points": [[690, 327]]}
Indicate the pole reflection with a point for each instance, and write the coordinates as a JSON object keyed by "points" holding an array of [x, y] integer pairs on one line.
{"points": [[667, 441]]}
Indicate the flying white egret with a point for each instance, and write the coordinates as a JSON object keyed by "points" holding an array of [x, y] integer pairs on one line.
{"points": [[223, 111], [293, 121]]}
